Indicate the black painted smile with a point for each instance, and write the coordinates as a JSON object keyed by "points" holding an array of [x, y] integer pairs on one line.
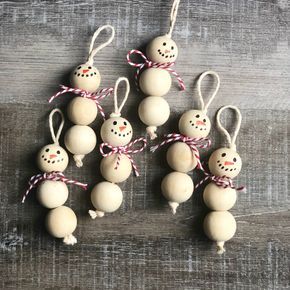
{"points": [[121, 134]]}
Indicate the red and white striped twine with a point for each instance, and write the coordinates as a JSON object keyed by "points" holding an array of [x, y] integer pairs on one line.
{"points": [[147, 64], [96, 96], [55, 176], [222, 181], [193, 143], [126, 150]]}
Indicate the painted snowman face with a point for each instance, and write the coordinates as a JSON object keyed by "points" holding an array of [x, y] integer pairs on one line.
{"points": [[52, 157], [162, 49], [194, 124], [225, 162], [86, 77], [116, 131]]}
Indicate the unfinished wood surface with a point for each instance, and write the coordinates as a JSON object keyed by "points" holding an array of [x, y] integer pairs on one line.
{"points": [[142, 246]]}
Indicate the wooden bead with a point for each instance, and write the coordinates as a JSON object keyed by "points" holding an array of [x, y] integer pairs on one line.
{"points": [[162, 49], [180, 158], [106, 197], [225, 162], [61, 222], [116, 131], [86, 77], [194, 124], [220, 226], [154, 111], [52, 194], [82, 111], [113, 174], [219, 198], [155, 82], [52, 157], [177, 187]]}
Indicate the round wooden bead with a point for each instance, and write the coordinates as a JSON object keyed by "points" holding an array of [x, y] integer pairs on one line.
{"points": [[177, 187], [82, 111], [113, 174], [86, 77], [52, 194], [154, 111], [162, 49], [106, 197], [116, 131], [219, 198], [220, 226], [155, 82], [52, 157], [61, 222], [80, 140], [225, 162], [194, 124], [180, 157]]}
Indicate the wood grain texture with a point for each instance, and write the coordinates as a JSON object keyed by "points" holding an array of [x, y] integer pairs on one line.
{"points": [[142, 246]]}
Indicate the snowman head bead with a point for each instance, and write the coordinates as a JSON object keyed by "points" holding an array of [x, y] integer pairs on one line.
{"points": [[226, 161], [86, 76], [117, 131], [195, 123], [53, 157]]}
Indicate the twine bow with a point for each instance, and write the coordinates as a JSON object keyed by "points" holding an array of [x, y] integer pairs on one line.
{"points": [[54, 176], [96, 96], [193, 143], [222, 181], [148, 63], [126, 150]]}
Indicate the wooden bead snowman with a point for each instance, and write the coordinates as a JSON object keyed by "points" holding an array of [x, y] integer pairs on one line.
{"points": [[80, 139], [116, 166], [155, 80], [220, 194], [52, 191], [183, 156]]}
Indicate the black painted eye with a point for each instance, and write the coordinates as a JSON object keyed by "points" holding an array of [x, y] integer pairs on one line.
{"points": [[164, 43], [89, 67], [224, 154], [79, 67], [235, 159], [125, 123], [47, 149], [197, 116], [115, 123], [58, 152], [172, 47], [204, 120]]}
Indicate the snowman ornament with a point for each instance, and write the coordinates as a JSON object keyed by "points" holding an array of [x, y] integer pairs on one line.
{"points": [[117, 164], [220, 194], [85, 79], [52, 191], [153, 76], [183, 156]]}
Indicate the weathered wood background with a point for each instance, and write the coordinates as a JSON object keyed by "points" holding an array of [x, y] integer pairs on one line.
{"points": [[142, 246]]}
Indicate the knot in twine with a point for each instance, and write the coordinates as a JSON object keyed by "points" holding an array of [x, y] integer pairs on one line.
{"points": [[150, 64], [95, 96], [126, 150], [222, 181], [193, 143], [54, 176]]}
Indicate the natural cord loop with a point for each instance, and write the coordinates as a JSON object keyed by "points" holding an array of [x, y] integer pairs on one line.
{"points": [[92, 51], [118, 109], [54, 137], [231, 140], [173, 16], [204, 106]]}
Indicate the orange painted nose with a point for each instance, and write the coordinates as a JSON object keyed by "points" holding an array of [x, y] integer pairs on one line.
{"points": [[52, 156], [121, 128], [200, 123], [229, 163], [85, 70], [167, 51]]}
